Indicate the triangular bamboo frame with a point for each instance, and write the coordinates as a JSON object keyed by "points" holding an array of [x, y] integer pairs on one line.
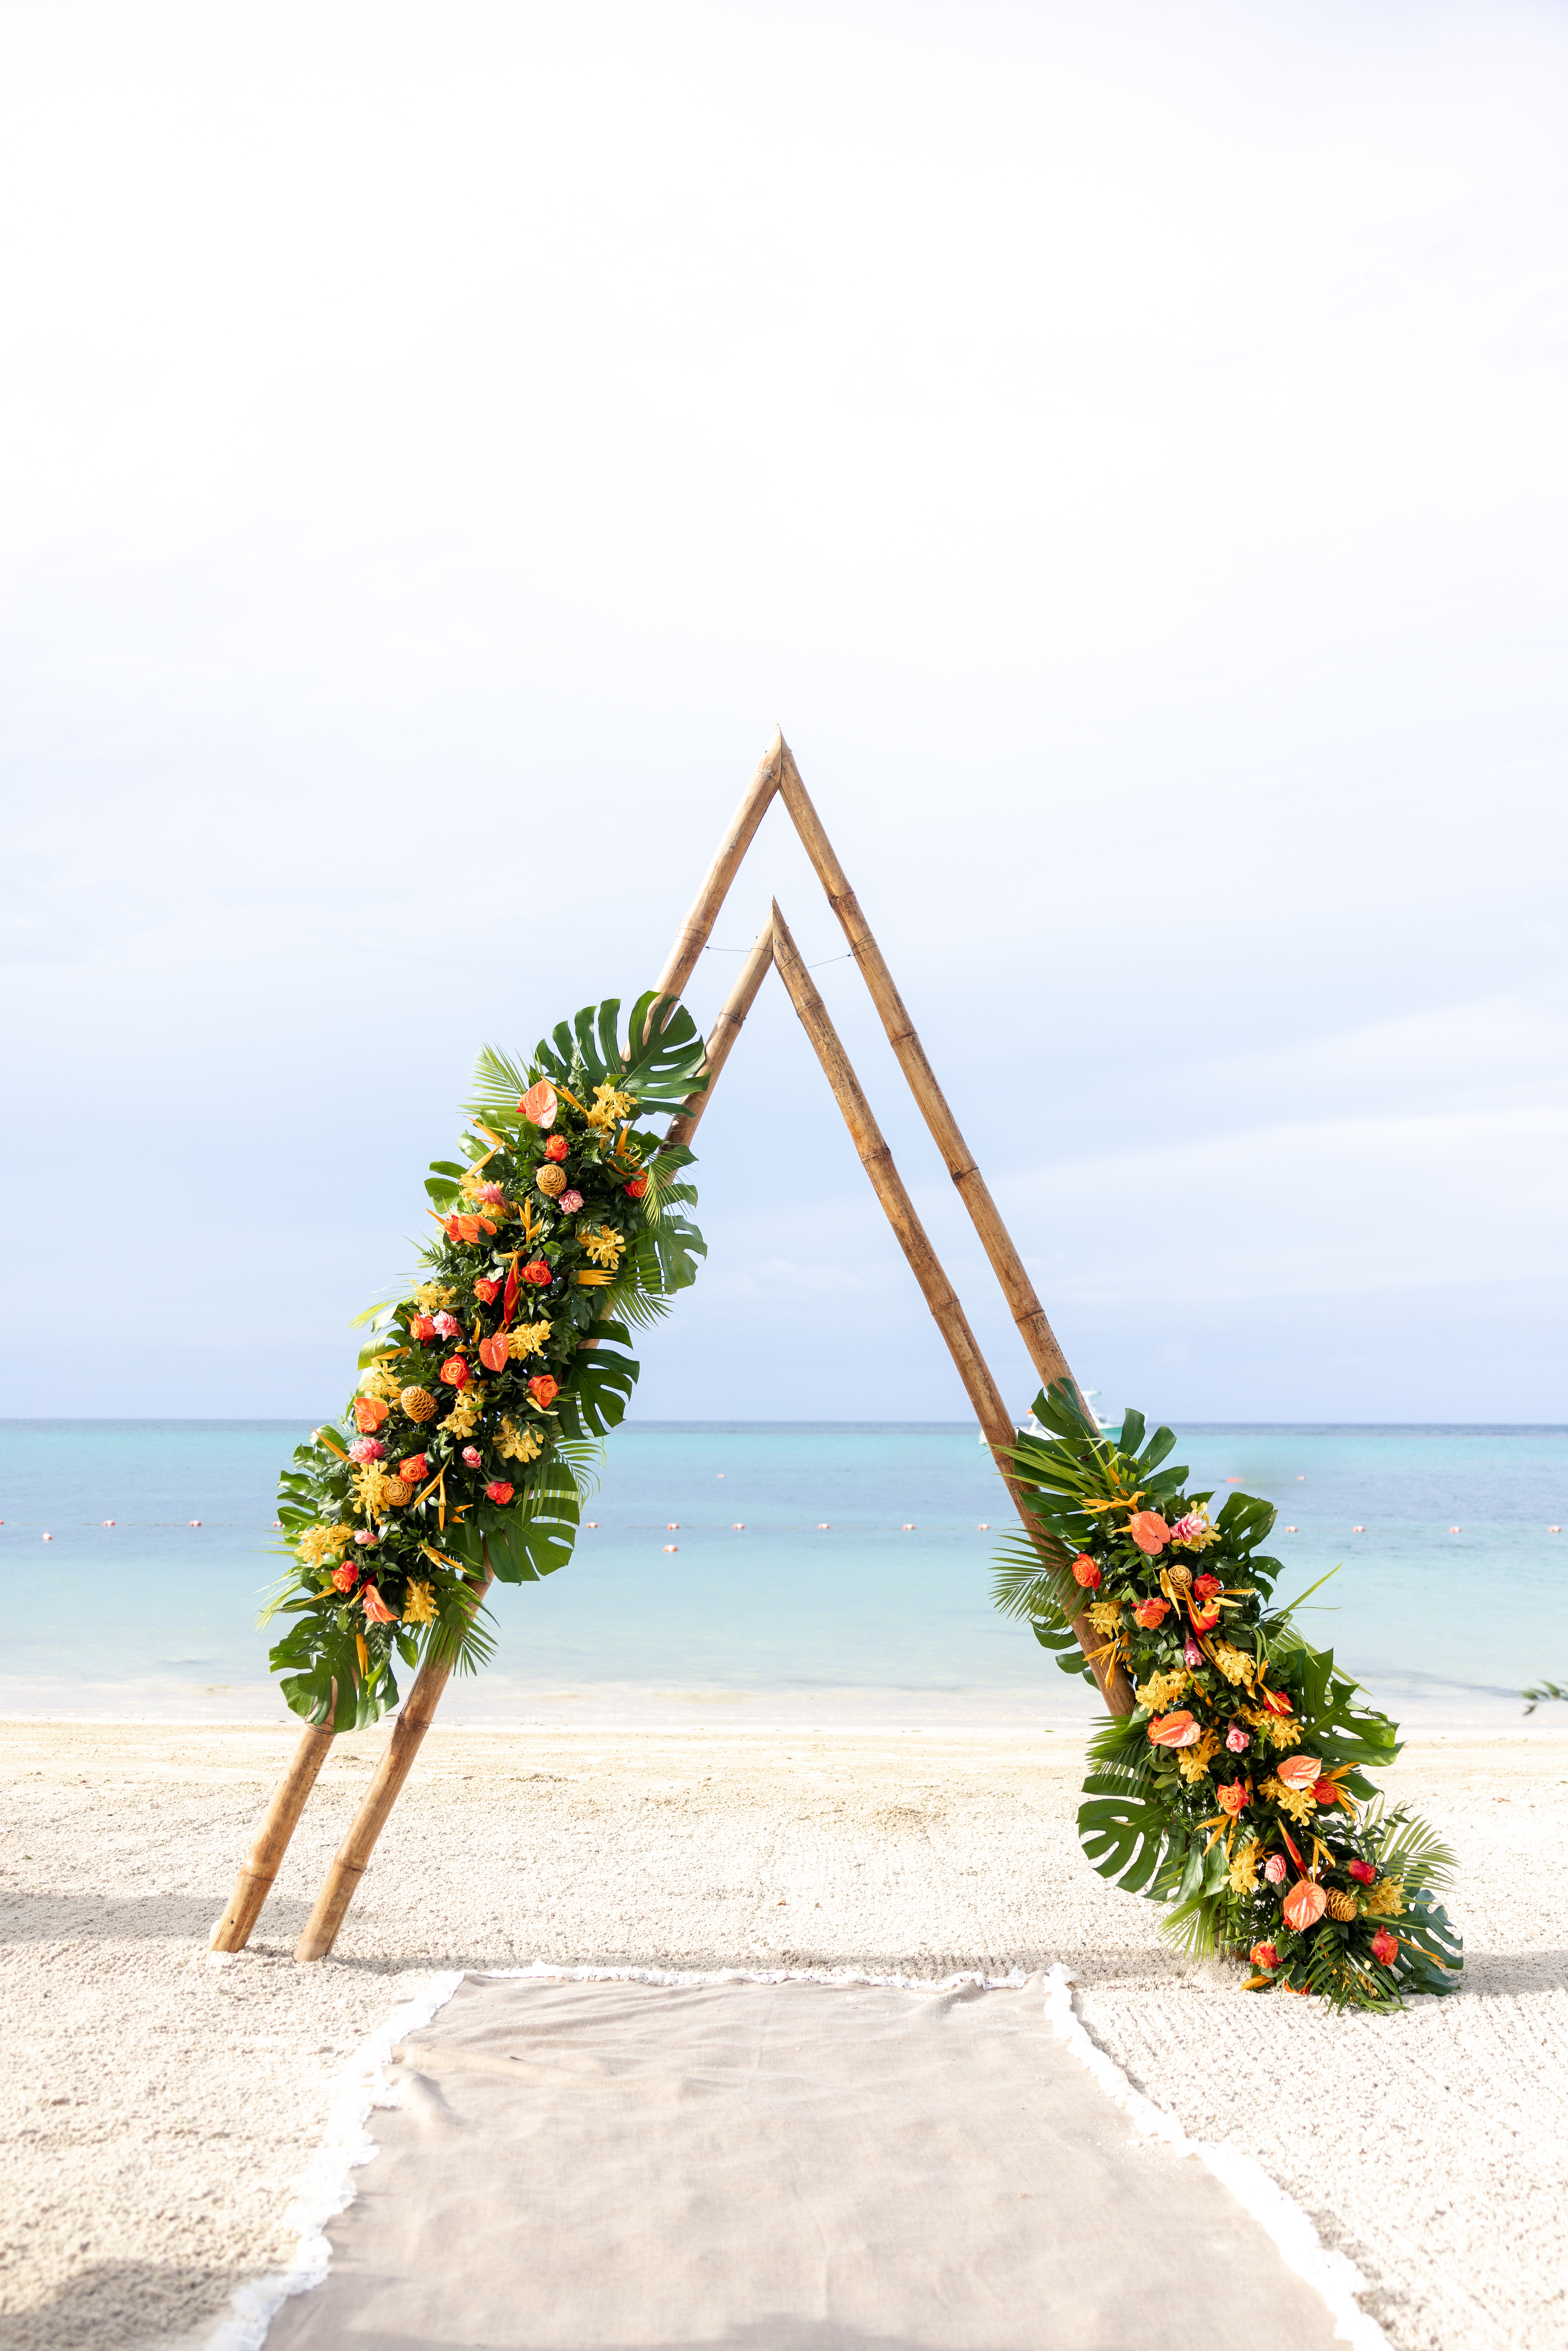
{"points": [[776, 777]]}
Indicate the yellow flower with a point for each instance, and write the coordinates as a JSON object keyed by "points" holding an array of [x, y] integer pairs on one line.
{"points": [[1279, 1730], [609, 1106], [429, 1296], [1161, 1689], [518, 1445], [1105, 1615], [527, 1339], [317, 1543], [383, 1380], [1300, 1804], [463, 1418], [1233, 1663], [1192, 1762], [1244, 1868], [1386, 1899], [602, 1247], [419, 1608], [376, 1489]]}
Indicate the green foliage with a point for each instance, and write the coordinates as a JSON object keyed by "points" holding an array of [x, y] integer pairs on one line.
{"points": [[1182, 1802], [487, 1392]]}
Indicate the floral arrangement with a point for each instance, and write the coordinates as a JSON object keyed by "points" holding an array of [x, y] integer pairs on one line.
{"points": [[485, 1394], [1237, 1790]]}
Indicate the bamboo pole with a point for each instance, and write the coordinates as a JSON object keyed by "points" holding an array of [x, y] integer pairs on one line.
{"points": [[261, 1864], [415, 1719], [1045, 1353], [697, 929], [995, 1419], [725, 1032]]}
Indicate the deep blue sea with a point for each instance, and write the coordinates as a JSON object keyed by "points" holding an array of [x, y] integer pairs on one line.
{"points": [[833, 1572]]}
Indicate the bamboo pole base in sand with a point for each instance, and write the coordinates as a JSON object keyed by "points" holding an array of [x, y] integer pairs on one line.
{"points": [[353, 1854], [265, 1859]]}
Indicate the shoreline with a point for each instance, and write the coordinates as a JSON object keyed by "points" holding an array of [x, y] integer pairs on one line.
{"points": [[162, 2109]]}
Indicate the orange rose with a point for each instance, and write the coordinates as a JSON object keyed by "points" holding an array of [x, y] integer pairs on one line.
{"points": [[556, 1147], [375, 1607], [369, 1414], [1264, 1955], [1385, 1947], [1176, 1730], [1150, 1613], [455, 1372], [1086, 1572], [1328, 1791], [499, 1491], [1300, 1773], [637, 1186], [537, 1271], [1149, 1532], [1235, 1796], [414, 1471], [1304, 1906], [488, 1290], [544, 1390], [493, 1352], [539, 1105]]}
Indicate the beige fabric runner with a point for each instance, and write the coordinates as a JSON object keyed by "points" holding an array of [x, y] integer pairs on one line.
{"points": [[613, 2166]]}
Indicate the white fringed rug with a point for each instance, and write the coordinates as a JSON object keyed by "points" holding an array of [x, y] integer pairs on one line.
{"points": [[616, 2166]]}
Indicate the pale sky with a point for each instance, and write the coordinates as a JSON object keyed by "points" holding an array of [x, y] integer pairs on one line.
{"points": [[1122, 445]]}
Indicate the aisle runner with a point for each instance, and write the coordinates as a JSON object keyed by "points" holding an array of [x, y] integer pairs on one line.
{"points": [[609, 2166]]}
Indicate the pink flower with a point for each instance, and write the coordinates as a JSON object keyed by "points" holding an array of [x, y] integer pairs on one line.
{"points": [[1274, 1869], [1364, 1873], [493, 1194], [364, 1535], [1189, 1530], [1192, 1653], [367, 1448], [472, 1455], [447, 1325], [570, 1203], [1237, 1739], [1149, 1532]]}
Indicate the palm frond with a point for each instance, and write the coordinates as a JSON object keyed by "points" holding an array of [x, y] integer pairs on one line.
{"points": [[497, 1083], [462, 1637], [1023, 1582], [1406, 1847], [1193, 1927]]}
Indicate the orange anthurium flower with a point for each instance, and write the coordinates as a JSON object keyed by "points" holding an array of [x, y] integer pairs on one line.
{"points": [[1304, 1906], [369, 1414], [1299, 1772], [539, 1105], [493, 1352], [1176, 1730], [375, 1607], [1149, 1532]]}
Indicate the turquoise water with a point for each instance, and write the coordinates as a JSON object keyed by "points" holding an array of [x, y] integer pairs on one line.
{"points": [[786, 1620]]}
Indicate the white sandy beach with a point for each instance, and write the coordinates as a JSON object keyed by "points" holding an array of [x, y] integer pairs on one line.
{"points": [[159, 2108]]}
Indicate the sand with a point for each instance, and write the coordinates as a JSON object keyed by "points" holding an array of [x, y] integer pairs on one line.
{"points": [[158, 2108]]}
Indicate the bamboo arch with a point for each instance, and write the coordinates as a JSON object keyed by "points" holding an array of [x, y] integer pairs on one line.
{"points": [[776, 777]]}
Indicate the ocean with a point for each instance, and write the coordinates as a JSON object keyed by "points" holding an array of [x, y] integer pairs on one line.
{"points": [[833, 1574]]}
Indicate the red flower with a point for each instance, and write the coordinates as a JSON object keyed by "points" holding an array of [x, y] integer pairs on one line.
{"points": [[539, 1105], [1149, 1532], [497, 1490], [637, 1186], [1275, 1700], [1086, 1572], [1328, 1791], [1304, 1906], [455, 1372], [1364, 1873], [1206, 1619], [422, 1330], [493, 1352], [556, 1147], [1207, 1586], [1174, 1730], [487, 1291], [369, 1414], [537, 1271], [1385, 1947], [346, 1576], [544, 1390], [416, 1469], [1264, 1955], [1150, 1613]]}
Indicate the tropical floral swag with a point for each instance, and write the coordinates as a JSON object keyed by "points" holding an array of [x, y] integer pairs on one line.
{"points": [[485, 1394], [1237, 1791]]}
